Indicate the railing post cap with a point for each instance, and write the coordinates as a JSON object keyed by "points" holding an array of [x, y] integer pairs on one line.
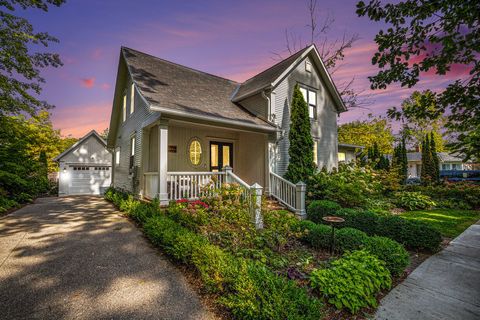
{"points": [[227, 168], [256, 186], [301, 183]]}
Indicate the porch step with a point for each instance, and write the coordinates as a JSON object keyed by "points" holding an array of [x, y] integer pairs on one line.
{"points": [[273, 204]]}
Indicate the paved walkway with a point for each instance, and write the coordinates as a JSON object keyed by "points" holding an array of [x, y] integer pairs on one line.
{"points": [[445, 286], [75, 258]]}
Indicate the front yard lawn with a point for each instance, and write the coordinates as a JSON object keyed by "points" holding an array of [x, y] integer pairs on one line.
{"points": [[449, 222]]}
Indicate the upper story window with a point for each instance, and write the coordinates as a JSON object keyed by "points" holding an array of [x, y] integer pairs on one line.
{"points": [[195, 152], [124, 108], [132, 98], [315, 152], [310, 97]]}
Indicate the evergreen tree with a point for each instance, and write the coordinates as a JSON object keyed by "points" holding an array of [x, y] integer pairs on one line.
{"points": [[301, 164], [403, 160], [427, 173], [435, 160]]}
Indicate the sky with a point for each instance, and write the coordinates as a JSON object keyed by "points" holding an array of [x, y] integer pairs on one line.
{"points": [[232, 39]]}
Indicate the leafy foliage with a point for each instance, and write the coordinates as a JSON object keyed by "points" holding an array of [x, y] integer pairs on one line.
{"points": [[20, 66], [368, 132], [459, 193], [349, 239], [400, 161], [353, 281], [301, 165], [413, 200], [434, 36]]}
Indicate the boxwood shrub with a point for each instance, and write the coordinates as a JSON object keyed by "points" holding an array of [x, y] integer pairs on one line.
{"points": [[353, 281], [390, 251], [318, 209], [394, 254], [366, 221]]}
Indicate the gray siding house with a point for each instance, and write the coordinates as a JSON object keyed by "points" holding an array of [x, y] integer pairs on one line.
{"points": [[173, 128]]}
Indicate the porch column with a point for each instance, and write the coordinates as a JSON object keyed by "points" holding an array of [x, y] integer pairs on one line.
{"points": [[162, 162]]}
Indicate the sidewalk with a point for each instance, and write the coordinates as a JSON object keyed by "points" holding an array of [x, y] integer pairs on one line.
{"points": [[445, 286]]}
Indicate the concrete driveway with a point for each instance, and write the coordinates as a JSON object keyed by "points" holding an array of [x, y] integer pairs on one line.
{"points": [[77, 258]]}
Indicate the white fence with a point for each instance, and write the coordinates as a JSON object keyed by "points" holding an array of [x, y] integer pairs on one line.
{"points": [[192, 185]]}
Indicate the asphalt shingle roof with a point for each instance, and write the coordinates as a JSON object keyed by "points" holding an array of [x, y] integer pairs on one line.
{"points": [[179, 88], [266, 77]]}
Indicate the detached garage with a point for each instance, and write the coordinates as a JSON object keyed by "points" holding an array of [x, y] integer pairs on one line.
{"points": [[85, 167]]}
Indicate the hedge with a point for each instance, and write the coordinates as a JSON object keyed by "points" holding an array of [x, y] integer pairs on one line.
{"points": [[414, 235], [247, 288], [318, 209], [391, 252]]}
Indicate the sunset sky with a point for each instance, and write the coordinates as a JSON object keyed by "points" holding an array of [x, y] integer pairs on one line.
{"points": [[232, 39]]}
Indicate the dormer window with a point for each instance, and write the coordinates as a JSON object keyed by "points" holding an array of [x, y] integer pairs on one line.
{"points": [[310, 97]]}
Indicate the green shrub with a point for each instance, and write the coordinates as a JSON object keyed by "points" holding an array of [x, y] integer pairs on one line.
{"points": [[353, 281], [217, 268], [279, 227], [260, 294], [464, 194], [316, 235], [415, 235], [390, 251], [349, 239], [359, 219], [318, 209], [413, 200]]}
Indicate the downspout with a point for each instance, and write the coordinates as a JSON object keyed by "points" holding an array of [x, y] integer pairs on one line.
{"points": [[269, 105]]}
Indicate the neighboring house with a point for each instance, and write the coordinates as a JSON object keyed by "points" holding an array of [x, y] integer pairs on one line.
{"points": [[171, 126], [447, 162], [348, 152], [85, 167]]}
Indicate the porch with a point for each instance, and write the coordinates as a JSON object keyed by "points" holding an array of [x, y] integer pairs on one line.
{"points": [[184, 160]]}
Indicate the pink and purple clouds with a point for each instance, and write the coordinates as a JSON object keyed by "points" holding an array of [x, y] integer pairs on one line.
{"points": [[234, 39]]}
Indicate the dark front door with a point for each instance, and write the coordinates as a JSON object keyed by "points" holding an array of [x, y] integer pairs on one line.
{"points": [[221, 155]]}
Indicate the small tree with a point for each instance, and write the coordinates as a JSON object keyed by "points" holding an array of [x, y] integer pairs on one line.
{"points": [[301, 165], [427, 161], [403, 160], [435, 160]]}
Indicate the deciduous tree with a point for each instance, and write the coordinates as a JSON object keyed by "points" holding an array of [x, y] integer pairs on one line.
{"points": [[438, 36]]}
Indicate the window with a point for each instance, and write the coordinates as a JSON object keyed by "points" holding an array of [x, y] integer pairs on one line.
{"points": [[117, 156], [132, 152], [456, 166], [310, 97], [315, 152], [445, 166], [132, 99], [124, 108], [341, 157], [195, 152]]}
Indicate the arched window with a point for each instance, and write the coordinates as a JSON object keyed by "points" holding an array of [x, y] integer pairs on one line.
{"points": [[195, 152]]}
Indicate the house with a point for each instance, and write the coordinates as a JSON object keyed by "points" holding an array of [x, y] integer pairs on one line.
{"points": [[85, 167], [348, 152], [447, 162], [173, 128]]}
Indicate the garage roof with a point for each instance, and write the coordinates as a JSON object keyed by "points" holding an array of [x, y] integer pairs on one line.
{"points": [[79, 142]]}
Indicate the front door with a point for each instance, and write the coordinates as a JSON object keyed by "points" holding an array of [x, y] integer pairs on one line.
{"points": [[221, 155]]}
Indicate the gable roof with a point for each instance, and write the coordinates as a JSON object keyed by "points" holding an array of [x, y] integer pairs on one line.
{"points": [[79, 142], [266, 77], [271, 77], [174, 87]]}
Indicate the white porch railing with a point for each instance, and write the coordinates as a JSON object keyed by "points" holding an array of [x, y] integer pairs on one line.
{"points": [[192, 185], [290, 194]]}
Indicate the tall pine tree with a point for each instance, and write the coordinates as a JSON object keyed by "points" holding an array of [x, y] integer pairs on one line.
{"points": [[301, 164], [403, 160], [427, 173]]}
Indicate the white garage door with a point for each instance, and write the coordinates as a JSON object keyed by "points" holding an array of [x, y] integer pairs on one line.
{"points": [[88, 179]]}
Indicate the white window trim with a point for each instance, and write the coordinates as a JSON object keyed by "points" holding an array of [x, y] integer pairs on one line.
{"points": [[132, 98], [315, 152], [132, 145]]}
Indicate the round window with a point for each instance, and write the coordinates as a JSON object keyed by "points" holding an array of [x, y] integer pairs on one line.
{"points": [[195, 152]]}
